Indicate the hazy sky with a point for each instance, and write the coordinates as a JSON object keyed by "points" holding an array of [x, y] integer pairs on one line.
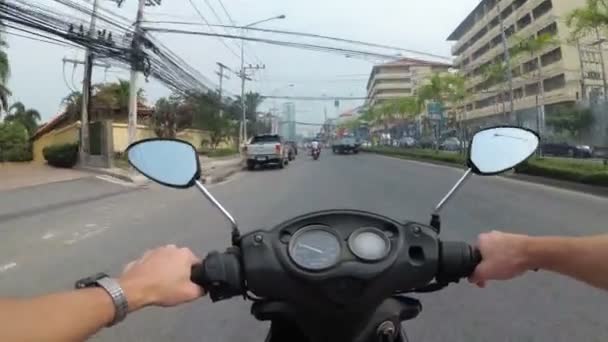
{"points": [[39, 80]]}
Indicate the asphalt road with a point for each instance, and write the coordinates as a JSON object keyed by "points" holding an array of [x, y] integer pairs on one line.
{"points": [[54, 234]]}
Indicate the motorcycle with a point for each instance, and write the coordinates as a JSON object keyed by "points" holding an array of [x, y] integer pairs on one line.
{"points": [[316, 152], [337, 274]]}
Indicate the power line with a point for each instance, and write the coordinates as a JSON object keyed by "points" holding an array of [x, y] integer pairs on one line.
{"points": [[207, 23], [313, 35], [316, 98], [47, 40], [342, 51]]}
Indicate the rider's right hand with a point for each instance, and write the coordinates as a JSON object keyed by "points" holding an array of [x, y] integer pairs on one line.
{"points": [[504, 256], [161, 277]]}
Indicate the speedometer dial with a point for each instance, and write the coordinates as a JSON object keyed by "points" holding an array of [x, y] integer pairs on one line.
{"points": [[314, 248], [369, 244]]}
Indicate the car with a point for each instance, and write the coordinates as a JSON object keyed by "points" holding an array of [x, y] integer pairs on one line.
{"points": [[407, 142], [427, 142], [292, 150], [266, 149], [450, 144], [564, 149], [345, 145]]}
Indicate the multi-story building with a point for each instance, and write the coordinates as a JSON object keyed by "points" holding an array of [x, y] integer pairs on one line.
{"points": [[288, 121], [400, 78], [569, 71]]}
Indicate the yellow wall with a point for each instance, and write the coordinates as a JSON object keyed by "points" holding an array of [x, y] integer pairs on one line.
{"points": [[64, 135], [120, 132], [121, 135]]}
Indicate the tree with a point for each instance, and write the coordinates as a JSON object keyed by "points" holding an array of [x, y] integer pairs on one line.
{"points": [[572, 120], [252, 102], [5, 71], [28, 117], [115, 96], [73, 104], [14, 142], [588, 19], [206, 115], [495, 74], [532, 47]]}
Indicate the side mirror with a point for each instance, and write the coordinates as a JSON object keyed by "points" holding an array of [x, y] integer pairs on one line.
{"points": [[498, 149], [493, 150], [169, 162]]}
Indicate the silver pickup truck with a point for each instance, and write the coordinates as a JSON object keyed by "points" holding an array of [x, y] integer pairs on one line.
{"points": [[266, 149]]}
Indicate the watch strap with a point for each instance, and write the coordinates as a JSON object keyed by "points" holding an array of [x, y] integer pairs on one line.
{"points": [[121, 306]]}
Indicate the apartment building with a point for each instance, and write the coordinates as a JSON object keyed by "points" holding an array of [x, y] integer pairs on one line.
{"points": [[400, 78], [570, 71]]}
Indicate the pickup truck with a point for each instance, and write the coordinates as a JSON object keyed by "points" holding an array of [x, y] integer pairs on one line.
{"points": [[266, 149], [345, 145]]}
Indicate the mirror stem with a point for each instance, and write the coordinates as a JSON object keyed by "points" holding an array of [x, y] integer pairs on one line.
{"points": [[235, 229], [451, 193]]}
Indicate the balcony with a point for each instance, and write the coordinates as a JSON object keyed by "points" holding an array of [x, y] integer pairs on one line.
{"points": [[405, 88]]}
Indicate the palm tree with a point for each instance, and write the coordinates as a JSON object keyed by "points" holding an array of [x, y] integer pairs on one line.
{"points": [[531, 47], [27, 117], [73, 104], [115, 95], [588, 19], [5, 71]]}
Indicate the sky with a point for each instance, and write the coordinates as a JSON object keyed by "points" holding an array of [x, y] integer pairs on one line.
{"points": [[40, 80]]}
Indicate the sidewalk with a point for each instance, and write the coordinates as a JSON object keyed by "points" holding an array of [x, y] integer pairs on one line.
{"points": [[215, 170], [19, 175]]}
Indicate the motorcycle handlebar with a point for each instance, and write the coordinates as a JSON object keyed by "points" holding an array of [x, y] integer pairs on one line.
{"points": [[457, 260], [220, 275]]}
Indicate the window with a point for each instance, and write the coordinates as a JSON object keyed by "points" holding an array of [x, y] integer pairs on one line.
{"points": [[518, 3], [550, 29], [516, 72], [594, 75], [551, 57], [510, 31], [554, 83], [518, 93], [524, 21], [496, 40], [506, 12], [530, 66], [469, 107], [493, 23], [542, 9], [531, 89], [481, 51]]}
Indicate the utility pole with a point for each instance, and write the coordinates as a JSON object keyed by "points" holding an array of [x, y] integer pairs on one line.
{"points": [[244, 77], [603, 64], [507, 59], [86, 90], [222, 76], [135, 68]]}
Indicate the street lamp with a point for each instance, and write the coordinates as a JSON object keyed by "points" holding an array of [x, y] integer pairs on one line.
{"points": [[243, 76]]}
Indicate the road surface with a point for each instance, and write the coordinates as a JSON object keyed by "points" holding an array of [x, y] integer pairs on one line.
{"points": [[53, 234]]}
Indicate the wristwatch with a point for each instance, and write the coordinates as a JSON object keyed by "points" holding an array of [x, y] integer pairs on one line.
{"points": [[112, 287]]}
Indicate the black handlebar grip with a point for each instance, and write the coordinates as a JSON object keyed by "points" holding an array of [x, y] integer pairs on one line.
{"points": [[220, 275], [457, 260]]}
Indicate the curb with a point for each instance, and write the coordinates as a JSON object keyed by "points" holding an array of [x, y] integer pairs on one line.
{"points": [[106, 172], [556, 183], [219, 173]]}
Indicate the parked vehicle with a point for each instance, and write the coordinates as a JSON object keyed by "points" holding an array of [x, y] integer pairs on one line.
{"points": [[427, 142], [407, 142], [345, 145], [564, 149], [450, 144], [293, 149], [335, 275], [266, 149]]}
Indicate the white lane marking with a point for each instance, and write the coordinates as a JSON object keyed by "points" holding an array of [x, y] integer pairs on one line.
{"points": [[7, 266], [48, 236], [79, 236], [115, 181], [90, 225]]}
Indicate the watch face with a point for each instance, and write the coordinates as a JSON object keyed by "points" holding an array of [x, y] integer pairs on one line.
{"points": [[89, 281]]}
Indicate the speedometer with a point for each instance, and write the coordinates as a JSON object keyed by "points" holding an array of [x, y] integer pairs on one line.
{"points": [[315, 248], [369, 244]]}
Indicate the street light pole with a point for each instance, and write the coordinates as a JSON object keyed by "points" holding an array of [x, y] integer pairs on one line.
{"points": [[244, 76]]}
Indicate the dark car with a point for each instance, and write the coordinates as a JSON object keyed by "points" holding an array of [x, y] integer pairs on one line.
{"points": [[566, 150], [293, 149]]}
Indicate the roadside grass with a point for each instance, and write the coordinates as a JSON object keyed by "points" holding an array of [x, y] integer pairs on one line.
{"points": [[218, 152], [573, 170]]}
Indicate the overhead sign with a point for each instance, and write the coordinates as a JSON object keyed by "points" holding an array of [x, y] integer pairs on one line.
{"points": [[435, 110]]}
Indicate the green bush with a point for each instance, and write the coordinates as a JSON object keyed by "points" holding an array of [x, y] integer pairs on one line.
{"points": [[570, 170], [420, 154], [17, 154], [64, 155]]}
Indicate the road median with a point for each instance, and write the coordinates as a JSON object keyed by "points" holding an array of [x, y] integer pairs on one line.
{"points": [[573, 174]]}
